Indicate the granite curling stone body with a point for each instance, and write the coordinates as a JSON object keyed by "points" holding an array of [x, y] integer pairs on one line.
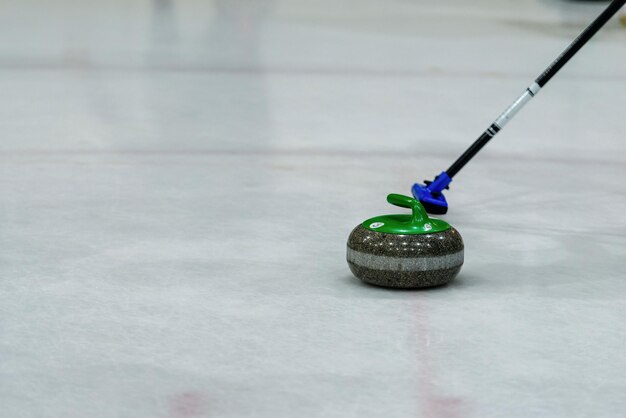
{"points": [[405, 251]]}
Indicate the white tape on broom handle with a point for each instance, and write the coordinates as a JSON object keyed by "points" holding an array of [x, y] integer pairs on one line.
{"points": [[512, 110]]}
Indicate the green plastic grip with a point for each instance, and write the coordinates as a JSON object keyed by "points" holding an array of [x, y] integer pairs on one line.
{"points": [[419, 213], [416, 223]]}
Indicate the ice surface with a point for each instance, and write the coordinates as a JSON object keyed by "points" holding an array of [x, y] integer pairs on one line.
{"points": [[178, 181]]}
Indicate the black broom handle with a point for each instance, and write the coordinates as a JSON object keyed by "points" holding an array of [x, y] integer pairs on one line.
{"points": [[531, 91]]}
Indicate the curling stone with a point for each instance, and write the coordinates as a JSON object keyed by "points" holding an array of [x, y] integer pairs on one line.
{"points": [[405, 251]]}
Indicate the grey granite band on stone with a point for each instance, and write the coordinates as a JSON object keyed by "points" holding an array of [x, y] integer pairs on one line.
{"points": [[380, 262]]}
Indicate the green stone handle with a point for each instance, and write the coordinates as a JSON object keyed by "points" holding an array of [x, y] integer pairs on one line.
{"points": [[416, 223], [419, 213]]}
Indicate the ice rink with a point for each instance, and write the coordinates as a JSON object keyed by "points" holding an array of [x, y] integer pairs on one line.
{"points": [[178, 180]]}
